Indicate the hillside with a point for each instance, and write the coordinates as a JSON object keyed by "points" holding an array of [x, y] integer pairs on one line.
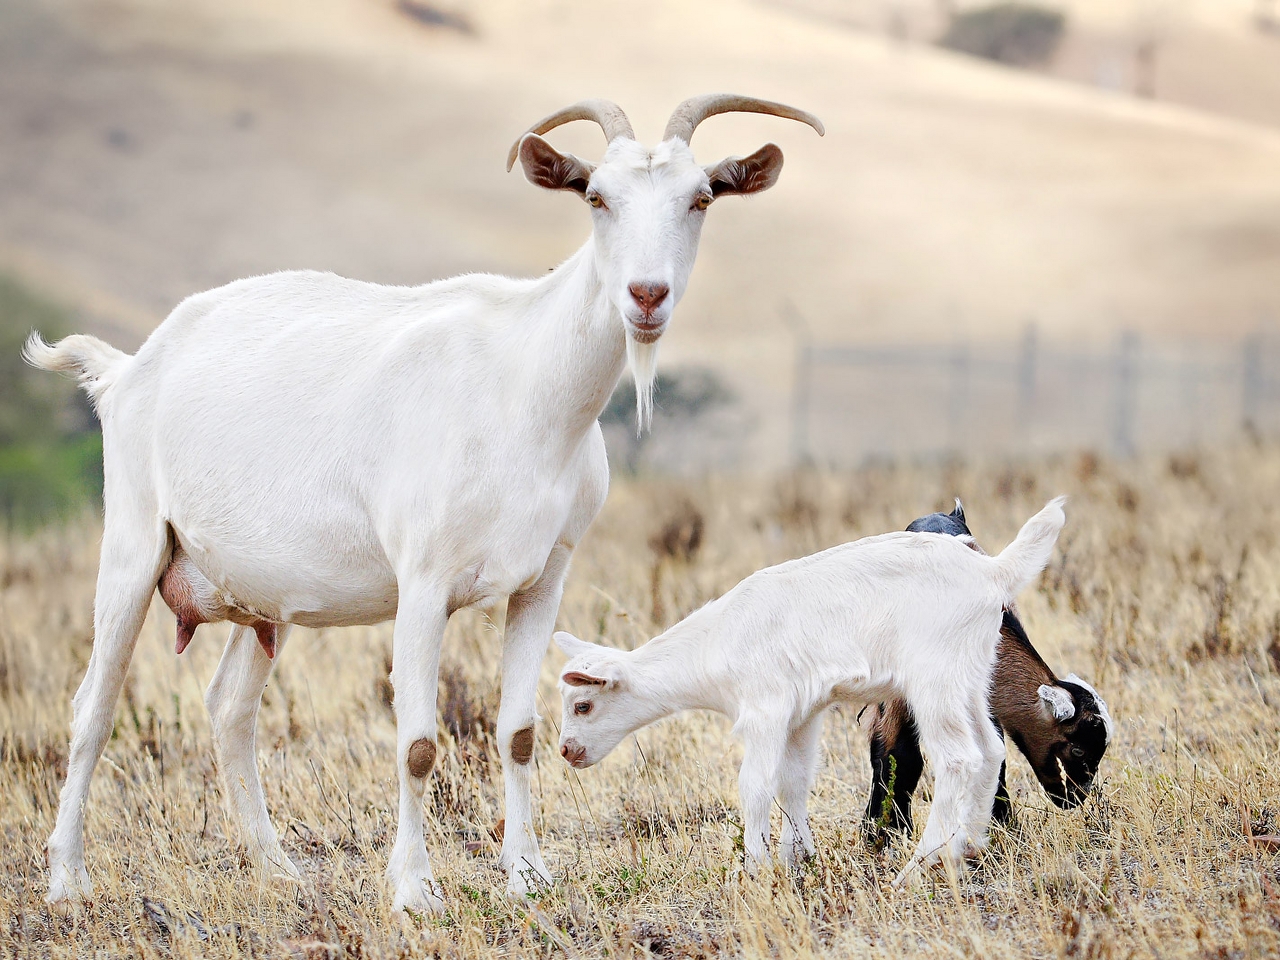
{"points": [[1220, 56], [149, 150]]}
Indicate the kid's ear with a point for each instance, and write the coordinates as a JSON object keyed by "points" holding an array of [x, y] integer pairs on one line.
{"points": [[575, 678], [607, 676], [598, 671], [571, 645], [1058, 701]]}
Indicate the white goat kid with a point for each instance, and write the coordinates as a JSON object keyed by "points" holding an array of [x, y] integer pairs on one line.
{"points": [[911, 615], [303, 449]]}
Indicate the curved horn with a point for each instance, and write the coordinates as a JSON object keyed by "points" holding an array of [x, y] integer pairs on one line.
{"points": [[693, 111], [608, 114]]}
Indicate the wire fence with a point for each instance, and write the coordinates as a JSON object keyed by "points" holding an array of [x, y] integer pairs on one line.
{"points": [[851, 404]]}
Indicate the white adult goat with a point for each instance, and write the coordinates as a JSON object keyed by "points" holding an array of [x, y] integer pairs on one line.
{"points": [[303, 449], [910, 615]]}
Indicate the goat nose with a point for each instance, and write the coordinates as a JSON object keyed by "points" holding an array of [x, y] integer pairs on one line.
{"points": [[564, 751], [649, 295]]}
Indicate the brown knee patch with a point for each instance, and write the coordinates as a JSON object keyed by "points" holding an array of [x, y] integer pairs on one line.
{"points": [[421, 758], [522, 745]]}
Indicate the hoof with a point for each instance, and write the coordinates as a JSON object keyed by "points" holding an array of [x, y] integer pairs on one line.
{"points": [[274, 865], [413, 885], [419, 896], [912, 876], [796, 856], [69, 889], [908, 880], [529, 878], [917, 872], [754, 866], [282, 868]]}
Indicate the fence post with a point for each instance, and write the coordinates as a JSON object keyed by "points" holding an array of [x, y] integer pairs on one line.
{"points": [[1189, 388], [801, 375], [1027, 384], [1126, 394], [958, 401], [1251, 386]]}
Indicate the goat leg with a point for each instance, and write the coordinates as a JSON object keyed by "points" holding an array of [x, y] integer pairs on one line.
{"points": [[896, 767], [1002, 806]]}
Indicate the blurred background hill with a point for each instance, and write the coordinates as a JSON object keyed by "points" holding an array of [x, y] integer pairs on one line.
{"points": [[1122, 175]]}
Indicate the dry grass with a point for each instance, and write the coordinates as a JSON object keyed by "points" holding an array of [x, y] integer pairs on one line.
{"points": [[1164, 592]]}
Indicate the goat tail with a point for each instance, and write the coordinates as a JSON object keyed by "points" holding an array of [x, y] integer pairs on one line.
{"points": [[94, 362], [1021, 561]]}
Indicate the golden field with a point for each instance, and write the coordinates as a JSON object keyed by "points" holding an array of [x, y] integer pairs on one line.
{"points": [[1163, 592]]}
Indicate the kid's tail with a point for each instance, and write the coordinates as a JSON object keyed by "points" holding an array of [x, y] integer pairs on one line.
{"points": [[95, 362], [1021, 561]]}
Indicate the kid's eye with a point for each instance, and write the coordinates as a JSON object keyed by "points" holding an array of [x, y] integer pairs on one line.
{"points": [[702, 201], [595, 200], [582, 708]]}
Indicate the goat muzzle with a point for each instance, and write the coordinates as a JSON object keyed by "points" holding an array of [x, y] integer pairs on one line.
{"points": [[648, 296], [574, 753]]}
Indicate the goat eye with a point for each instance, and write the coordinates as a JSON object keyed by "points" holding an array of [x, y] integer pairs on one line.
{"points": [[1077, 752], [702, 201], [595, 200], [582, 708]]}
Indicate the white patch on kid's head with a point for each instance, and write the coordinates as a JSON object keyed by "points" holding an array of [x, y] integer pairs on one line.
{"points": [[1102, 705]]}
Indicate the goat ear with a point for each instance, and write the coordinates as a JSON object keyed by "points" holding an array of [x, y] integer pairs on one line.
{"points": [[607, 673], [1058, 700], [575, 678], [571, 645], [547, 167], [744, 175]]}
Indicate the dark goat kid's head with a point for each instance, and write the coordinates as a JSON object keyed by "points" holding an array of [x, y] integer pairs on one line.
{"points": [[952, 524], [1066, 763]]}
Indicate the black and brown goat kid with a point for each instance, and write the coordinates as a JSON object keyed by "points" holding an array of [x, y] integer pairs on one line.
{"points": [[1061, 726]]}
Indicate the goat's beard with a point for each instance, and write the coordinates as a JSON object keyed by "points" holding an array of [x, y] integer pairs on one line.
{"points": [[642, 358]]}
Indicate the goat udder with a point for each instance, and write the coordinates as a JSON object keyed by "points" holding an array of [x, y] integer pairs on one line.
{"points": [[192, 598], [186, 630], [178, 590], [266, 631]]}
